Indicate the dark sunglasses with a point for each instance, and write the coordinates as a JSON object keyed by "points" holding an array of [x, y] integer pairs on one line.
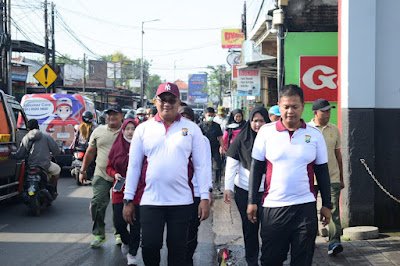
{"points": [[171, 101]]}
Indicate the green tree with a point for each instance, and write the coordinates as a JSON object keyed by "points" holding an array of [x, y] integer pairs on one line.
{"points": [[130, 69], [151, 87], [218, 80]]}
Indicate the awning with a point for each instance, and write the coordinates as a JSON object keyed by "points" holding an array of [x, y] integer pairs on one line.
{"points": [[267, 66]]}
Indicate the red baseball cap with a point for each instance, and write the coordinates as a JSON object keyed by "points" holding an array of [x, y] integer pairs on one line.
{"points": [[168, 87]]}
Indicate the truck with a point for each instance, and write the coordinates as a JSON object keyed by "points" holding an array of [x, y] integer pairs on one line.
{"points": [[13, 123]]}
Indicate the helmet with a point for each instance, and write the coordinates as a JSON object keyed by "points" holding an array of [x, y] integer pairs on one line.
{"points": [[129, 116], [87, 117], [141, 111]]}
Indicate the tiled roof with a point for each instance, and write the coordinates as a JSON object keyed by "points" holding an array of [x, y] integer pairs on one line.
{"points": [[181, 84]]}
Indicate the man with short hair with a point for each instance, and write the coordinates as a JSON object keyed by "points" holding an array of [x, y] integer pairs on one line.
{"points": [[213, 132], [40, 146], [274, 113], [289, 152], [159, 155], [221, 118], [100, 143], [322, 113]]}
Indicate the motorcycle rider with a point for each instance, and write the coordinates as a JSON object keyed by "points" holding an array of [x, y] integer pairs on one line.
{"points": [[84, 131], [140, 115], [38, 146]]}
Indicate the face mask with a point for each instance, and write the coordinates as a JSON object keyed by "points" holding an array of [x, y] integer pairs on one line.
{"points": [[141, 118], [128, 140], [210, 119], [63, 115]]}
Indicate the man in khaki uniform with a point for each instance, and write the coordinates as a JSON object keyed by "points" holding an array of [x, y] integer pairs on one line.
{"points": [[100, 144], [322, 112]]}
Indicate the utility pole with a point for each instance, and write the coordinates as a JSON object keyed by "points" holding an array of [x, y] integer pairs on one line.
{"points": [[53, 45], [84, 73], [220, 86], [46, 34], [141, 68], [5, 47], [244, 21], [46, 37], [3, 65]]}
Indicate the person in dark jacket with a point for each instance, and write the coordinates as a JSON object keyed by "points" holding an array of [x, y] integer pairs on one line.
{"points": [[39, 147]]}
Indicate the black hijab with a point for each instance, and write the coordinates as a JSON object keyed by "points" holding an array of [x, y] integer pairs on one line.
{"points": [[241, 147], [231, 120]]}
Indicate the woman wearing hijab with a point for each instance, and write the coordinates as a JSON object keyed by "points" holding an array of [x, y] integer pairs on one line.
{"points": [[116, 167], [237, 179], [235, 124]]}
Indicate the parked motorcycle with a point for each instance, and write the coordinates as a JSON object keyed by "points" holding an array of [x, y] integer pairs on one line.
{"points": [[38, 192], [79, 153]]}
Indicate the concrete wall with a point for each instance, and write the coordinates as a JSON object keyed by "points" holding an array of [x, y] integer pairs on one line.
{"points": [[370, 98]]}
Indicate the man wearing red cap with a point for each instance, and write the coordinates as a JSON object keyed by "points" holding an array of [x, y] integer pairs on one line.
{"points": [[160, 152]]}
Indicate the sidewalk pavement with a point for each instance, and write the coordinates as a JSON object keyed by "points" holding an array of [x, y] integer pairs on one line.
{"points": [[228, 234]]}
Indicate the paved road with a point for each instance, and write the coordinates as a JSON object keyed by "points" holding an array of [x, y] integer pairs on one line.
{"points": [[62, 234]]}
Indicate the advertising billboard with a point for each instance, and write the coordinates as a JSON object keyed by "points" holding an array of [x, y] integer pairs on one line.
{"points": [[196, 83], [232, 38], [248, 82], [318, 77]]}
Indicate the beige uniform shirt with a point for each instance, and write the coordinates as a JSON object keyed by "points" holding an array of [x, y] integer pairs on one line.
{"points": [[332, 138], [103, 138]]}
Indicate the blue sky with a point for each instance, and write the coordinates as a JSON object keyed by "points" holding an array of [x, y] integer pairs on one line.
{"points": [[187, 35]]}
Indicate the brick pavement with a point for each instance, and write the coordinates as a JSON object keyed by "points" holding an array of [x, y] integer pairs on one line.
{"points": [[382, 251]]}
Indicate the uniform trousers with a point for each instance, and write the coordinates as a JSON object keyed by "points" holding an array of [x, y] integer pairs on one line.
{"points": [[153, 220], [292, 226]]}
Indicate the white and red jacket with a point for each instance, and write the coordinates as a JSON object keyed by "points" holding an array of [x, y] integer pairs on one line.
{"points": [[160, 156]]}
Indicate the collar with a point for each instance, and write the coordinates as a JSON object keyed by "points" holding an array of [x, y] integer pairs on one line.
{"points": [[158, 118], [312, 122], [281, 127], [109, 129]]}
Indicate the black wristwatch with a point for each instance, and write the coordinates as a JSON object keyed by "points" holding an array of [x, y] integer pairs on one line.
{"points": [[82, 171], [127, 201]]}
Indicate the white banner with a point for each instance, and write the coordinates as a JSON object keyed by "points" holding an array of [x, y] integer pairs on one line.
{"points": [[249, 82]]}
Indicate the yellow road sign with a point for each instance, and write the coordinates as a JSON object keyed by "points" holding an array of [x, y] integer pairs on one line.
{"points": [[46, 76]]}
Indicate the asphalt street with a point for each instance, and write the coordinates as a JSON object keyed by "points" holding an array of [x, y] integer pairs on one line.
{"points": [[62, 233]]}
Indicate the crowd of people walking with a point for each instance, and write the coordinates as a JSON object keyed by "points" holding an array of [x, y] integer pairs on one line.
{"points": [[170, 168]]}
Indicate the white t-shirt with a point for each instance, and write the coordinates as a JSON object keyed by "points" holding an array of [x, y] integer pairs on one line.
{"points": [[164, 154], [290, 160]]}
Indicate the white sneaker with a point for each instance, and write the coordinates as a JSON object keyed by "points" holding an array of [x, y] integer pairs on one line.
{"points": [[124, 249], [131, 259]]}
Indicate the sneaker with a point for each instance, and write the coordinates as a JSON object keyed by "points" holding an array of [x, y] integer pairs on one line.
{"points": [[335, 249], [124, 249], [118, 240], [98, 240], [131, 259]]}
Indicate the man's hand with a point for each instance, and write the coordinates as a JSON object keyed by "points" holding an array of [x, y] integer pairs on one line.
{"points": [[82, 178], [128, 213], [325, 214], [222, 151], [211, 199], [252, 212], [204, 209], [227, 196]]}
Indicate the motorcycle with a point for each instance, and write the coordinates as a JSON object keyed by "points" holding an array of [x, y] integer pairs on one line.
{"points": [[38, 192], [78, 155]]}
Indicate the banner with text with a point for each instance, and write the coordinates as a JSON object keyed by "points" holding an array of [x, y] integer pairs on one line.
{"points": [[249, 82], [196, 83], [232, 38]]}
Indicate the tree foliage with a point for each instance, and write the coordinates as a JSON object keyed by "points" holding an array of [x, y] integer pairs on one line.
{"points": [[130, 69], [218, 78]]}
